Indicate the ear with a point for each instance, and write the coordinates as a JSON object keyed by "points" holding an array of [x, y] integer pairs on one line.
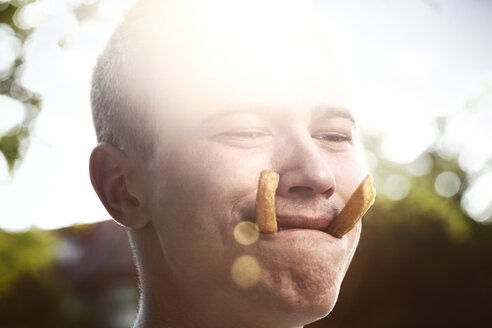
{"points": [[119, 185]]}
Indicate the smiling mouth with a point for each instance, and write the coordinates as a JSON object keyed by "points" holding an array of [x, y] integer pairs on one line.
{"points": [[267, 218], [284, 229], [280, 229], [298, 222], [287, 222]]}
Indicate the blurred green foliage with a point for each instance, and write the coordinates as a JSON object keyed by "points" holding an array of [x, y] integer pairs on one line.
{"points": [[33, 293], [423, 202], [10, 145], [24, 254], [11, 142]]}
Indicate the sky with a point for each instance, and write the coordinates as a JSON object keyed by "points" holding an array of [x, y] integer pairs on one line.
{"points": [[402, 62]]}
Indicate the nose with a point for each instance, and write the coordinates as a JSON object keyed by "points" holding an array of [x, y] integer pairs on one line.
{"points": [[304, 170]]}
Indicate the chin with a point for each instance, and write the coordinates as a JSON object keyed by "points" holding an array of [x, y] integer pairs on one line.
{"points": [[305, 292], [309, 308], [298, 314], [306, 297]]}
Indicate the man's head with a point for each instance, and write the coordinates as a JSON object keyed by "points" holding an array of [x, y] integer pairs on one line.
{"points": [[191, 101]]}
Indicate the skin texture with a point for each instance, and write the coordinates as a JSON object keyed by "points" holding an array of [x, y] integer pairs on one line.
{"points": [[219, 123]]}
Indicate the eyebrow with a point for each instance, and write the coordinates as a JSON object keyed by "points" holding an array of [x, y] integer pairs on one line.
{"points": [[322, 111], [225, 113], [319, 112]]}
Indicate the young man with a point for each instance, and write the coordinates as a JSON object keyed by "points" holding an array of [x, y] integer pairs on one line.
{"points": [[191, 101]]}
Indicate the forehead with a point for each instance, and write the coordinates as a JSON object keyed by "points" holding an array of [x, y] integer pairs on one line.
{"points": [[204, 57]]}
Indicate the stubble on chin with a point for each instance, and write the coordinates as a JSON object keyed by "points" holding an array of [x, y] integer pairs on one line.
{"points": [[303, 285]]}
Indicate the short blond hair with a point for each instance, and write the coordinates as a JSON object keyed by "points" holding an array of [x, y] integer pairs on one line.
{"points": [[120, 111]]}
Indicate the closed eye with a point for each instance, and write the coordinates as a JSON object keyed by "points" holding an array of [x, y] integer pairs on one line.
{"points": [[332, 137], [245, 134], [333, 141], [244, 138]]}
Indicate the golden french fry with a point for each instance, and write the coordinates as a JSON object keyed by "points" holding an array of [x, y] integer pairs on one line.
{"points": [[358, 204], [266, 219]]}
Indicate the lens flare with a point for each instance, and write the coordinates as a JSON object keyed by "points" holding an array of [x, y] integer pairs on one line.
{"points": [[246, 232], [245, 271]]}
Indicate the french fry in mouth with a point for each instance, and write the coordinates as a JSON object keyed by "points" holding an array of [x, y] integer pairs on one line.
{"points": [[358, 204], [266, 219]]}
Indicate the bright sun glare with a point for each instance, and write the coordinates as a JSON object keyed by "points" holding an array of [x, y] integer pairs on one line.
{"points": [[401, 64]]}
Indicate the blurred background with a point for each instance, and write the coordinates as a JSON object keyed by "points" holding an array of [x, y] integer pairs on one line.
{"points": [[419, 77]]}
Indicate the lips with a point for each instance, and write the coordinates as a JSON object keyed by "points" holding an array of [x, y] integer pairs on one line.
{"points": [[306, 214], [285, 222]]}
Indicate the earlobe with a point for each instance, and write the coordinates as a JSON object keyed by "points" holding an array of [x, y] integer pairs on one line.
{"points": [[110, 170]]}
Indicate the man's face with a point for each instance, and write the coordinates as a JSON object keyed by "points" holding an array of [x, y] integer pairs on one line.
{"points": [[217, 130], [203, 183]]}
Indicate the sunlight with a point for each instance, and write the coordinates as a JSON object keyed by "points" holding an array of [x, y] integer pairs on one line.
{"points": [[477, 200], [398, 81], [396, 187], [447, 184]]}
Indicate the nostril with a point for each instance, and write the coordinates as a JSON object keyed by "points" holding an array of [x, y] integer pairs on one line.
{"points": [[308, 191], [302, 190], [328, 193]]}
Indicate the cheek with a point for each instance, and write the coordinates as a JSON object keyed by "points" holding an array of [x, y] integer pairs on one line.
{"points": [[211, 170], [194, 193], [348, 173], [199, 173]]}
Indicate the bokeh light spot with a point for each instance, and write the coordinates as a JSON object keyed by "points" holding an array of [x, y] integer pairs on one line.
{"points": [[477, 200], [472, 161], [398, 147], [421, 166], [396, 187], [447, 184], [11, 114], [245, 271], [11, 49], [246, 232]]}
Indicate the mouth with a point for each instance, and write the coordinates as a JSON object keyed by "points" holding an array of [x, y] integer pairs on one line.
{"points": [[289, 222], [312, 216]]}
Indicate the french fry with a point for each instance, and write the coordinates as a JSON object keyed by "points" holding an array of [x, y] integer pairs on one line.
{"points": [[266, 219], [358, 204]]}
